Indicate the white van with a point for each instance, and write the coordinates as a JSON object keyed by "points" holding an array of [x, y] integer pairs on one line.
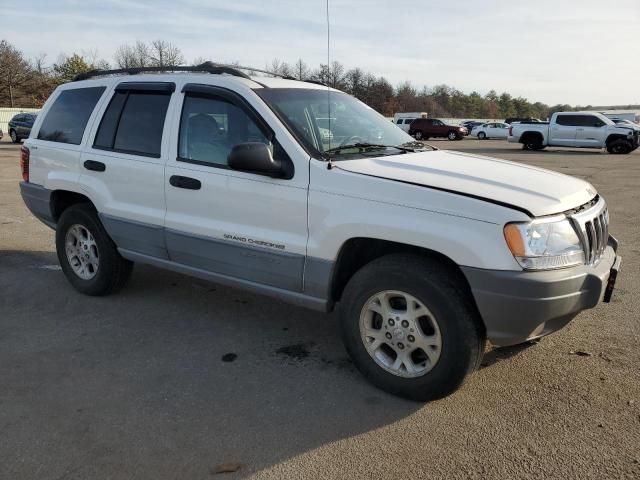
{"points": [[404, 119]]}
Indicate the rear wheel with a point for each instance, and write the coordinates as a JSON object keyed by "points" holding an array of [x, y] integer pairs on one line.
{"points": [[410, 328], [532, 142], [88, 257], [14, 136], [418, 135], [619, 147], [482, 136]]}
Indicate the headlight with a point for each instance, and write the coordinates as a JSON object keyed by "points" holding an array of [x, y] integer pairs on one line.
{"points": [[544, 244]]}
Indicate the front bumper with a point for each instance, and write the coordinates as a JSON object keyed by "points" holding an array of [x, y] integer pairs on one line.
{"points": [[521, 306]]}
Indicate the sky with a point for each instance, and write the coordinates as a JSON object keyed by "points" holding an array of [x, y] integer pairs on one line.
{"points": [[554, 51]]}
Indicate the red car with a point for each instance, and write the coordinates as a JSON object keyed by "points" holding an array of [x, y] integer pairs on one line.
{"points": [[425, 128]]}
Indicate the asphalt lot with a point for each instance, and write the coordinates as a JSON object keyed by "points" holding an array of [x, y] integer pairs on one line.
{"points": [[135, 386]]}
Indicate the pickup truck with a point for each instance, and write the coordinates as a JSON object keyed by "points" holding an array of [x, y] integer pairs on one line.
{"points": [[575, 129], [426, 254]]}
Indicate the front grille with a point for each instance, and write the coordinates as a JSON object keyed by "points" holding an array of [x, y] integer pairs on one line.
{"points": [[592, 226]]}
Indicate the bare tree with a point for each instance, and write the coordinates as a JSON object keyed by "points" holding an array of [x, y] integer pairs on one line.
{"points": [[14, 70], [301, 70], [163, 54], [132, 56]]}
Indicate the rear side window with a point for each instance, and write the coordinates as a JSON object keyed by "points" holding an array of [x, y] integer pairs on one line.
{"points": [[67, 118], [133, 123]]}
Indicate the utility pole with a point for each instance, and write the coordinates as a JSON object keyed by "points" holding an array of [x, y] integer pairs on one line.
{"points": [[11, 95]]}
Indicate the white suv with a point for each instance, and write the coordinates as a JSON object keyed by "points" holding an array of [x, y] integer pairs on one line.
{"points": [[426, 253]]}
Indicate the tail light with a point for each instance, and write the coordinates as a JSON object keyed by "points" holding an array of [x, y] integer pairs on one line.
{"points": [[511, 131], [24, 163]]}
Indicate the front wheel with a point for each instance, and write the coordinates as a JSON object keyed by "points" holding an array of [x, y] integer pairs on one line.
{"points": [[88, 257], [619, 147], [482, 136], [410, 328], [14, 136], [452, 136]]}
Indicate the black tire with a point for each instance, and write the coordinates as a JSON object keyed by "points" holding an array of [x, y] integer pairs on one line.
{"points": [[438, 288], [14, 136], [418, 135], [113, 271], [482, 136], [453, 136], [532, 142], [620, 147]]}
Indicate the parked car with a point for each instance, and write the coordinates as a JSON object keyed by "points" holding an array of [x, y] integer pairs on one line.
{"points": [[1, 134], [625, 123], [404, 119], [575, 129], [425, 253], [425, 128], [491, 130], [20, 126], [511, 120], [470, 125]]}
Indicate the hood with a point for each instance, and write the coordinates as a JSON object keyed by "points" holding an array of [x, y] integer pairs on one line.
{"points": [[533, 190]]}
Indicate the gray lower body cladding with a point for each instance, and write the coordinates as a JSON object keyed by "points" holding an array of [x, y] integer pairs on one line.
{"points": [[38, 201], [519, 306]]}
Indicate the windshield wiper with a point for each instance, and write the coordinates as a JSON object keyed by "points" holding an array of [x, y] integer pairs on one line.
{"points": [[365, 146]]}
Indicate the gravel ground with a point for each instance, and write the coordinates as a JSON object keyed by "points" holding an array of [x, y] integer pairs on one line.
{"points": [[136, 385]]}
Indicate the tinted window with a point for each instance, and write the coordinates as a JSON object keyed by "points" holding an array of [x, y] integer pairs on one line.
{"points": [[211, 126], [568, 120], [133, 123], [68, 116], [399, 121]]}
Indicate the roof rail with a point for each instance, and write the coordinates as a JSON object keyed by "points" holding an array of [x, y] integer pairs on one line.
{"points": [[207, 67]]}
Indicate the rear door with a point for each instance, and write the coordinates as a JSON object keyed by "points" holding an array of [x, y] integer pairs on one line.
{"points": [[123, 165], [61, 130], [591, 132], [240, 225], [563, 131], [499, 130]]}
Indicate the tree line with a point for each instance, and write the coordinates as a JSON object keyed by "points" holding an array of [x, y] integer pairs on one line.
{"points": [[27, 82]]}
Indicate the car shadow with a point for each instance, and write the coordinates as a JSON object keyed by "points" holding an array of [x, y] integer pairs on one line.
{"points": [[170, 377]]}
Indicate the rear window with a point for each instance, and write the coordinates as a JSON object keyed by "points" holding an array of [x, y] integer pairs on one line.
{"points": [[67, 118], [133, 123]]}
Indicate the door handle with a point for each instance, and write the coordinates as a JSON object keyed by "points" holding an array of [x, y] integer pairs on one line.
{"points": [[189, 183], [95, 166]]}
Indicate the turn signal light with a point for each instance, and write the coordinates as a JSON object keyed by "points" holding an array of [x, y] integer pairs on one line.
{"points": [[24, 163]]}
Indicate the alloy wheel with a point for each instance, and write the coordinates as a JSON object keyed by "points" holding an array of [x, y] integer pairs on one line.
{"points": [[400, 333]]}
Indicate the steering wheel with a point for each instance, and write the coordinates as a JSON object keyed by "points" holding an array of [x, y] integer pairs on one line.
{"points": [[351, 140]]}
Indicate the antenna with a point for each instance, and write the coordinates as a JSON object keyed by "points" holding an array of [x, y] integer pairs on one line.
{"points": [[329, 165]]}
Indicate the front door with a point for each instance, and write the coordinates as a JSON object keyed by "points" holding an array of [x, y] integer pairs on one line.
{"points": [[591, 132], [242, 225]]}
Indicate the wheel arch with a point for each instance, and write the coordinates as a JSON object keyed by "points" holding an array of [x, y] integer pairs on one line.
{"points": [[531, 134], [63, 199], [357, 252], [616, 136]]}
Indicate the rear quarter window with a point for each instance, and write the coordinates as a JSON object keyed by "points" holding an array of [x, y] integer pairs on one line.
{"points": [[67, 118]]}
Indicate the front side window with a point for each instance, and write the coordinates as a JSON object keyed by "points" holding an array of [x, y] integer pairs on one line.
{"points": [[67, 118], [133, 123], [211, 126]]}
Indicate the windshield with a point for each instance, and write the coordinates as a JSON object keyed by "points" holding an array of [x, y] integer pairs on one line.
{"points": [[325, 120]]}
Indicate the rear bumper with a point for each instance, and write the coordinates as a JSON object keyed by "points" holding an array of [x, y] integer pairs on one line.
{"points": [[38, 201], [520, 306]]}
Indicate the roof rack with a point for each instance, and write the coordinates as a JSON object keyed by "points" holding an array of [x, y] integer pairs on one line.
{"points": [[207, 67]]}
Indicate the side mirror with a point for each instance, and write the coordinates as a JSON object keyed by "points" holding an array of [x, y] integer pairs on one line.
{"points": [[255, 157]]}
